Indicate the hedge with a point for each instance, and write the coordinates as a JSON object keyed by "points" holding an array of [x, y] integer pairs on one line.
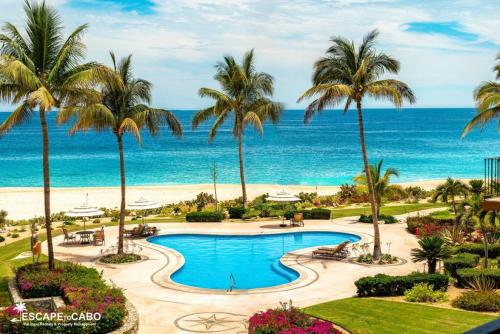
{"points": [[204, 216], [388, 219], [466, 275], [236, 212], [385, 285], [478, 248], [459, 261], [415, 222], [317, 213]]}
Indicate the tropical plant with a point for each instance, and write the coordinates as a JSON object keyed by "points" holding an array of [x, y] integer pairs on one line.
{"points": [[380, 181], [476, 187], [487, 96], [415, 193], [41, 70], [350, 74], [3, 219], [449, 190], [432, 249], [246, 94], [123, 108]]}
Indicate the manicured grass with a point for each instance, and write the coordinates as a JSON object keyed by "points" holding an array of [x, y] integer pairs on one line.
{"points": [[369, 315], [387, 210]]}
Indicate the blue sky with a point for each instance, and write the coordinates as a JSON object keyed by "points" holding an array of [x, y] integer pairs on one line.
{"points": [[446, 48]]}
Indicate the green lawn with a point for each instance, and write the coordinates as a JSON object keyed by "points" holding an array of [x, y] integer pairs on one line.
{"points": [[388, 210], [375, 316]]}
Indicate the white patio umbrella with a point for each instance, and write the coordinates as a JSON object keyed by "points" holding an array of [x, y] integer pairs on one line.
{"points": [[284, 197], [84, 211], [143, 204]]}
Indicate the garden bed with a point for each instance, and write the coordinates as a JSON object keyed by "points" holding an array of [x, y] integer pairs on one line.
{"points": [[125, 258], [69, 289]]}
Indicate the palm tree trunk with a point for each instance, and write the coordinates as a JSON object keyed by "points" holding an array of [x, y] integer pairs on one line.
{"points": [[121, 227], [432, 266], [46, 187], [242, 172], [377, 251]]}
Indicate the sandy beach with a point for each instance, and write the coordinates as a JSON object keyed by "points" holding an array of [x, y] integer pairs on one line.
{"points": [[26, 202]]}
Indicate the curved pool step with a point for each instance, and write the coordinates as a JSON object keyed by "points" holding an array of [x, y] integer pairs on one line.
{"points": [[278, 268]]}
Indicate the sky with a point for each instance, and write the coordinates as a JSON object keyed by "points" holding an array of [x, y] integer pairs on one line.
{"points": [[446, 48]]}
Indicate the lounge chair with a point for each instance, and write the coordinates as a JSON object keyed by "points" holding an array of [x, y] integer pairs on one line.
{"points": [[128, 233], [99, 238], [297, 219], [68, 237], [137, 232], [340, 252], [151, 230]]}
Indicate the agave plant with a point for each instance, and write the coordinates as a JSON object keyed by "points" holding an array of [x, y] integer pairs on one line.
{"points": [[482, 283], [453, 236]]}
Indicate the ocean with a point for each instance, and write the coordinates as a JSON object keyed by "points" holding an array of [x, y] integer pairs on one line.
{"points": [[422, 144]]}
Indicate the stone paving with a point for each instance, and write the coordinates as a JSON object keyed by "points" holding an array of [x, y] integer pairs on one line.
{"points": [[164, 307]]}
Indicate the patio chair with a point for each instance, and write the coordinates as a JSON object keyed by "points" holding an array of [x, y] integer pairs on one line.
{"points": [[68, 237], [99, 238], [297, 219], [338, 253], [128, 233]]}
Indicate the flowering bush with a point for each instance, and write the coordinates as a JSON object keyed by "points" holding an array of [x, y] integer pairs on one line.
{"points": [[83, 290], [428, 230], [288, 320]]}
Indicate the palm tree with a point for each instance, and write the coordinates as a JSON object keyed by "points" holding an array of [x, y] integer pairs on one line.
{"points": [[124, 108], [41, 70], [349, 73], [487, 97], [380, 181], [432, 249], [449, 190], [247, 94]]}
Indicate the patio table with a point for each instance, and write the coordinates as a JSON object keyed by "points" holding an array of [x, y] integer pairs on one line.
{"points": [[85, 236]]}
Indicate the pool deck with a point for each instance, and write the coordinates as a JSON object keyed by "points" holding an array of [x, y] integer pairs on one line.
{"points": [[166, 307]]}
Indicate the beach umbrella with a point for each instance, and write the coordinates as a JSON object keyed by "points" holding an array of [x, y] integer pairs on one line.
{"points": [[143, 204], [84, 211], [284, 197]]}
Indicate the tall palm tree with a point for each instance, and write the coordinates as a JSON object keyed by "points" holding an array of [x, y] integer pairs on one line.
{"points": [[123, 108], [380, 181], [432, 249], [449, 190], [246, 94], [487, 97], [349, 74], [41, 70]]}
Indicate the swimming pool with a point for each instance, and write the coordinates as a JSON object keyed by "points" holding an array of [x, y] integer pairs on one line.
{"points": [[253, 261]]}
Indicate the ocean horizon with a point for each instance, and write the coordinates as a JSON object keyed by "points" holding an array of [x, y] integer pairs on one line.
{"points": [[422, 143]]}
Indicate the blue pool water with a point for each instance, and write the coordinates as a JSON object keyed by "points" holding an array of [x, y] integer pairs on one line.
{"points": [[253, 260], [421, 143]]}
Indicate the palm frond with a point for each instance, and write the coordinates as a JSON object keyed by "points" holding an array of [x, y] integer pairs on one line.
{"points": [[153, 119], [20, 115], [130, 126], [253, 119]]}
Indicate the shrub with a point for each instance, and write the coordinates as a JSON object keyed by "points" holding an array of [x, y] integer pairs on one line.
{"points": [[236, 212], [478, 248], [425, 293], [2, 239], [384, 259], [288, 320], [415, 222], [388, 219], [478, 301], [459, 261], [466, 275], [14, 235], [385, 285], [82, 288], [317, 213], [251, 213], [120, 258], [204, 216]]}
